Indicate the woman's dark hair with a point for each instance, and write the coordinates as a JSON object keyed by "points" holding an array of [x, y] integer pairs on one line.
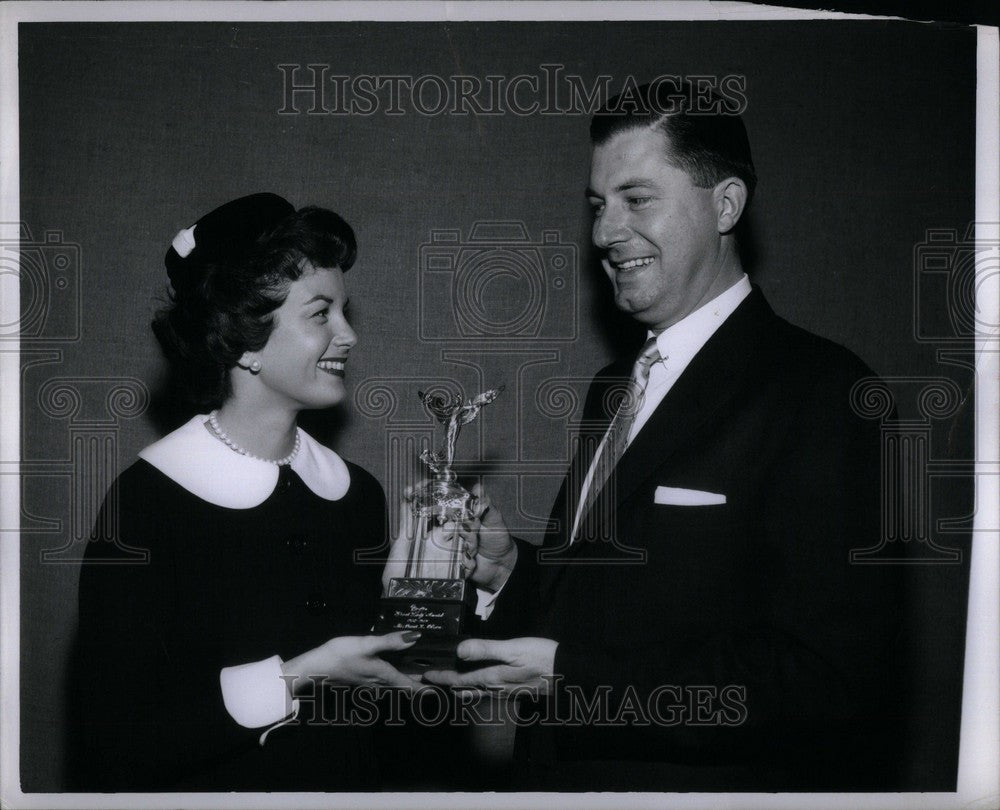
{"points": [[226, 288]]}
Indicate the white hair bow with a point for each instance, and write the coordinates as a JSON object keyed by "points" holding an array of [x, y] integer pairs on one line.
{"points": [[184, 241]]}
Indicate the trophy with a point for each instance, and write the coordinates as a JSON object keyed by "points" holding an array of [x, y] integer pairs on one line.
{"points": [[433, 596]]}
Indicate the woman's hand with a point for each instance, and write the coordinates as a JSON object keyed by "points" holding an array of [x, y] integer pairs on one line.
{"points": [[353, 661]]}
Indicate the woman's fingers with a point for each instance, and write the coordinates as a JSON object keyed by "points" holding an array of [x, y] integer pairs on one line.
{"points": [[399, 640]]}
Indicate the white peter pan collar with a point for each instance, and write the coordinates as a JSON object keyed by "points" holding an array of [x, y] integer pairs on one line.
{"points": [[206, 467]]}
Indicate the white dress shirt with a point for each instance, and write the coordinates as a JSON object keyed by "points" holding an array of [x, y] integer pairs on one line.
{"points": [[677, 344]]}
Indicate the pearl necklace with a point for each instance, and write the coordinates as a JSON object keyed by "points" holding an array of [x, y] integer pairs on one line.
{"points": [[222, 436]]}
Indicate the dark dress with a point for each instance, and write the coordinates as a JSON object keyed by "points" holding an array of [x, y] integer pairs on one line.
{"points": [[221, 587]]}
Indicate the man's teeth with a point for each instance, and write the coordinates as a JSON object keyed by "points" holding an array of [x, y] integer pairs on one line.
{"points": [[331, 365], [634, 263]]}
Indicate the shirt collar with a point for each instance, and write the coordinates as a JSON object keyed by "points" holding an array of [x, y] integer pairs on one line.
{"points": [[204, 466], [679, 343]]}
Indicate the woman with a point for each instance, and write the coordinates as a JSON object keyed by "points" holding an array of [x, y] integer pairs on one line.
{"points": [[195, 663]]}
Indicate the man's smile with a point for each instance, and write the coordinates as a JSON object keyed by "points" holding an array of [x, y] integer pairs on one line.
{"points": [[631, 264]]}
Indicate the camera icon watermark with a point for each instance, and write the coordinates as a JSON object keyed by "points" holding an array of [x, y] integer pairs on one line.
{"points": [[45, 273], [497, 283], [956, 270]]}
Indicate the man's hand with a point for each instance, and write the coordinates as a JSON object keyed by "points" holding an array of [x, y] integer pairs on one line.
{"points": [[436, 560], [525, 663], [488, 553], [496, 553]]}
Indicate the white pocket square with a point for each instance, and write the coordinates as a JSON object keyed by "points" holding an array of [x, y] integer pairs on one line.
{"points": [[676, 496]]}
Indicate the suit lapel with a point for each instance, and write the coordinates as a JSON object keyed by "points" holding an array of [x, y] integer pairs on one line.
{"points": [[711, 380], [593, 425]]}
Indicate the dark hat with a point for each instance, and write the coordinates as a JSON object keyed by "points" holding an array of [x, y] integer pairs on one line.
{"points": [[226, 235]]}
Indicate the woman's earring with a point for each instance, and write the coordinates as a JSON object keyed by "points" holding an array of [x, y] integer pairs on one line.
{"points": [[255, 367]]}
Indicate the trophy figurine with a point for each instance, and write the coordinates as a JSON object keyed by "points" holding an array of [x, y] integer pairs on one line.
{"points": [[433, 596]]}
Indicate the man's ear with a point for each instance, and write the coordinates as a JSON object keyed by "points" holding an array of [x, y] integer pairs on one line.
{"points": [[730, 202]]}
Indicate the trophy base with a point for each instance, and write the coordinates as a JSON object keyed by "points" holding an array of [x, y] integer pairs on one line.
{"points": [[435, 608]]}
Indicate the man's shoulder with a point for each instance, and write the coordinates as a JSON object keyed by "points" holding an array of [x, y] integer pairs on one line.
{"points": [[801, 352], [761, 333]]}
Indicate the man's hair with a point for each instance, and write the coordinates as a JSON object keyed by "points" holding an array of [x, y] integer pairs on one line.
{"points": [[710, 146]]}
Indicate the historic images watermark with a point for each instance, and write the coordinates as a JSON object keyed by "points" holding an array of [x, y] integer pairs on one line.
{"points": [[494, 288], [458, 278], [665, 706], [953, 271], [314, 89], [48, 271], [489, 294]]}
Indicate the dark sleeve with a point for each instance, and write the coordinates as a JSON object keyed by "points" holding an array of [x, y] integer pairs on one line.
{"points": [[150, 710], [515, 612], [815, 663]]}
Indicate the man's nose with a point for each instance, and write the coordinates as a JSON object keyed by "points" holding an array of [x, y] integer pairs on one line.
{"points": [[610, 228]]}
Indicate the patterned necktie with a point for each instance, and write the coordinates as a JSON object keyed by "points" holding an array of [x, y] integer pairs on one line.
{"points": [[616, 441]]}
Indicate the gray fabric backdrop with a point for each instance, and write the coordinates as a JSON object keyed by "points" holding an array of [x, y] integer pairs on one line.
{"points": [[863, 136]]}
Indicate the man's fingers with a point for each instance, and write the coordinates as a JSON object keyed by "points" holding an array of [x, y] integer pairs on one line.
{"points": [[491, 517], [393, 677], [446, 537], [478, 649], [488, 512], [480, 500], [476, 679]]}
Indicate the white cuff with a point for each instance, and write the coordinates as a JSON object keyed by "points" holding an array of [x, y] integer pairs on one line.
{"points": [[486, 600], [255, 694]]}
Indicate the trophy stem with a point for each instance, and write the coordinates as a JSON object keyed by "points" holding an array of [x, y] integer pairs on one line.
{"points": [[456, 555], [433, 596]]}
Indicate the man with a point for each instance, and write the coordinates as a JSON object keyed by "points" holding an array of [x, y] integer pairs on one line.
{"points": [[694, 622]]}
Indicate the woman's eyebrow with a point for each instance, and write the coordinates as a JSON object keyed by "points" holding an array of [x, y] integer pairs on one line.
{"points": [[318, 298]]}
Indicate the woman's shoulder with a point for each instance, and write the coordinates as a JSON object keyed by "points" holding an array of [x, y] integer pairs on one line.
{"points": [[363, 481], [143, 482], [199, 463], [192, 460], [329, 475]]}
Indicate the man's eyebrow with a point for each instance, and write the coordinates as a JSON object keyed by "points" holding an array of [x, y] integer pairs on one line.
{"points": [[628, 185], [318, 298], [635, 182]]}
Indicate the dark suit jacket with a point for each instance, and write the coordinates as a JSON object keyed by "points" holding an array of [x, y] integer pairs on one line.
{"points": [[734, 645]]}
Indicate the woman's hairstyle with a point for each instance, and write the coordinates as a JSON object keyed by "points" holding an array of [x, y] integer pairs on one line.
{"points": [[228, 273]]}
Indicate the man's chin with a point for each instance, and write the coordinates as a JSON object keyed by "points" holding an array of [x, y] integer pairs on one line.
{"points": [[631, 307]]}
